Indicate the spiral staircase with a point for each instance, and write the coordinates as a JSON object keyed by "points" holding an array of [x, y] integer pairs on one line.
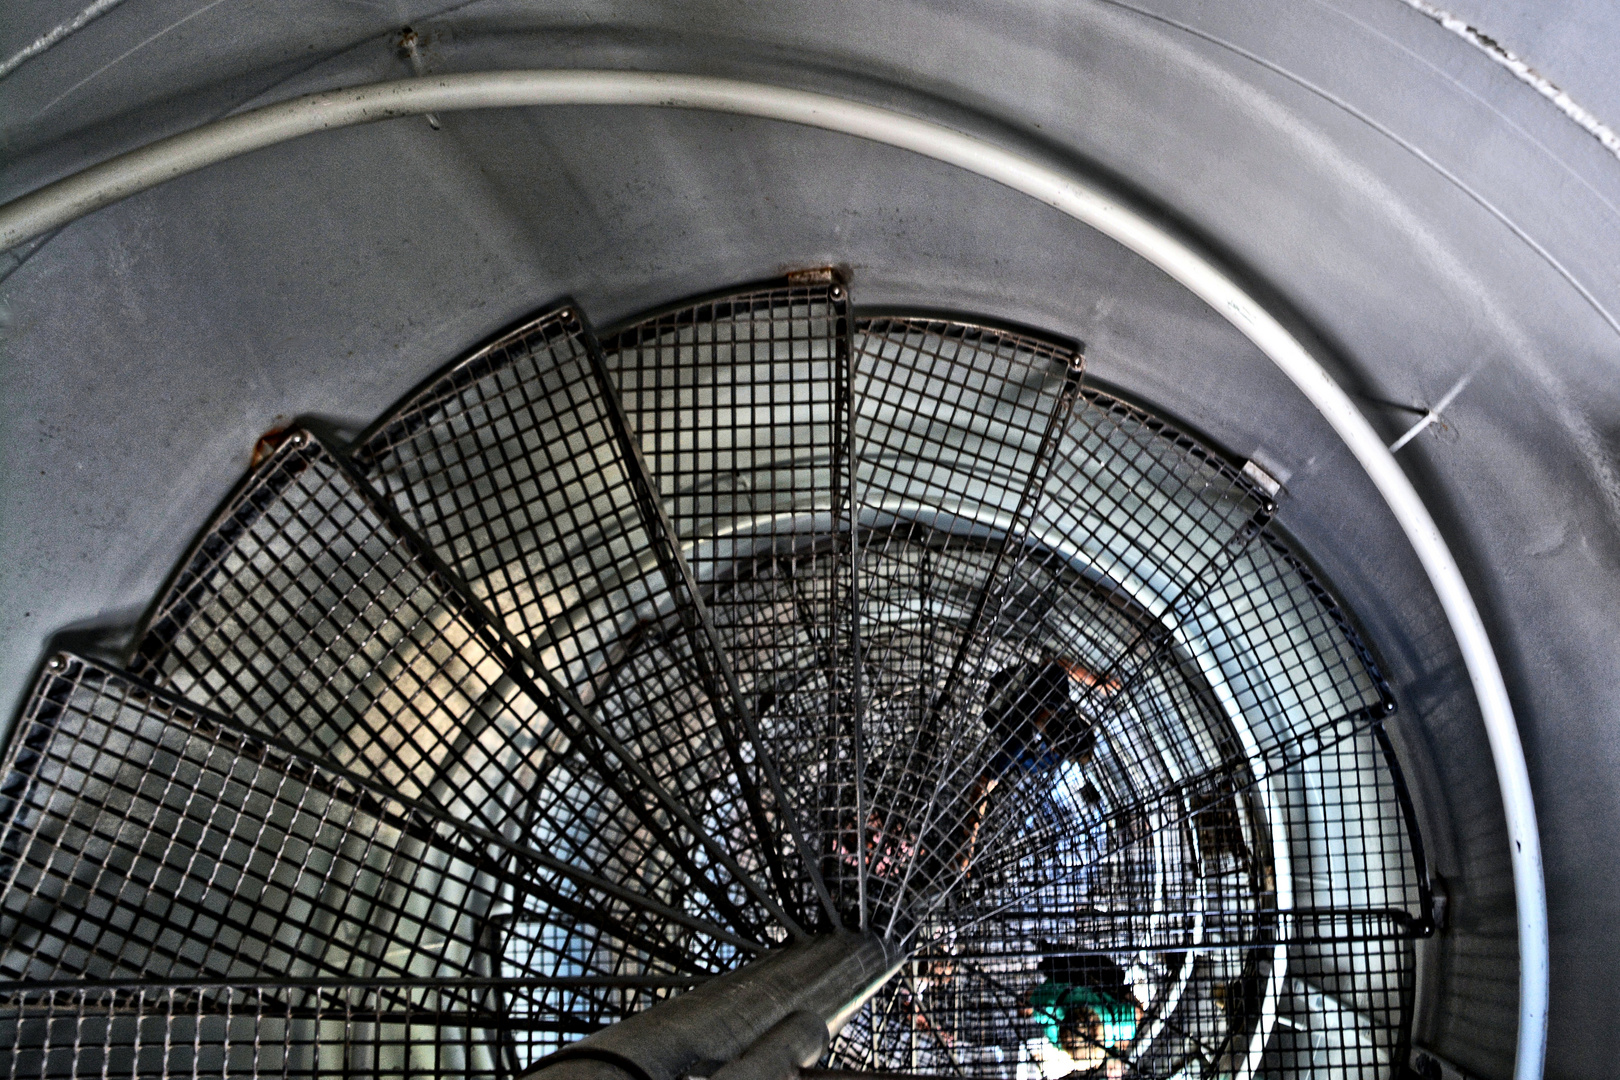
{"points": [[605, 663]]}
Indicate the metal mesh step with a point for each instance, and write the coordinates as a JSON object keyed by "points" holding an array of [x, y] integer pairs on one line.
{"points": [[175, 879], [516, 467], [307, 616], [607, 666]]}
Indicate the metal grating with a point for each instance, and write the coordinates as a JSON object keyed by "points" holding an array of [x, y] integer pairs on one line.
{"points": [[518, 468], [741, 405], [593, 669], [180, 890]]}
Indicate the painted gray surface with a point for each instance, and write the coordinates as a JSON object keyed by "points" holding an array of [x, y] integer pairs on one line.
{"points": [[1570, 43], [147, 346]]}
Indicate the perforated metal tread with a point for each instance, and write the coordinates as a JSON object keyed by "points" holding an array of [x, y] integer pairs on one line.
{"points": [[709, 617]]}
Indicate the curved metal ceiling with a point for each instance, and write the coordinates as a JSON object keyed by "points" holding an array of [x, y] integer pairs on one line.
{"points": [[67, 199]]}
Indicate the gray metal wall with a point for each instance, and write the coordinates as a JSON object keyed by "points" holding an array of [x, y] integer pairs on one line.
{"points": [[1415, 210]]}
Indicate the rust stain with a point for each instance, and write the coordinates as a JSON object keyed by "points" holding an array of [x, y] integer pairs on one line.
{"points": [[267, 445], [818, 275]]}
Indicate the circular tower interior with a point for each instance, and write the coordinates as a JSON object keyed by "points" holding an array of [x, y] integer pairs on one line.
{"points": [[472, 577]]}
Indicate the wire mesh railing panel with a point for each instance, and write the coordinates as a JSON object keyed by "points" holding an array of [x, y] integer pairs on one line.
{"points": [[1347, 831], [1342, 1010]]}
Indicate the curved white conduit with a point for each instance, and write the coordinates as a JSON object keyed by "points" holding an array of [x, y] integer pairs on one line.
{"points": [[57, 204]]}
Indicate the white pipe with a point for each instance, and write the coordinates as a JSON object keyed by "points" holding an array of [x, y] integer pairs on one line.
{"points": [[59, 203]]}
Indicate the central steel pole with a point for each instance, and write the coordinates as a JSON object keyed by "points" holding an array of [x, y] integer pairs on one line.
{"points": [[762, 1021]]}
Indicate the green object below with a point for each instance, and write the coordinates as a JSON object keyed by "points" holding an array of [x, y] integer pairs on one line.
{"points": [[1054, 1002]]}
